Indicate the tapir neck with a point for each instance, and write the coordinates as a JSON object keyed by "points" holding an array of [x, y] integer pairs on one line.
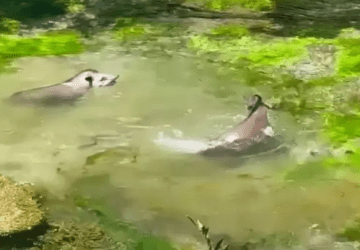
{"points": [[75, 85], [252, 125]]}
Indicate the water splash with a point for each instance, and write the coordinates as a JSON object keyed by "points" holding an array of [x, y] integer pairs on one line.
{"points": [[190, 146]]}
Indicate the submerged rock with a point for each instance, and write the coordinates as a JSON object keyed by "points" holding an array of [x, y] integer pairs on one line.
{"points": [[130, 8], [324, 18], [321, 63], [75, 235], [18, 209]]}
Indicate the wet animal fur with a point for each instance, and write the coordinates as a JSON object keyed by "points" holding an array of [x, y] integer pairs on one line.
{"points": [[68, 91], [253, 135]]}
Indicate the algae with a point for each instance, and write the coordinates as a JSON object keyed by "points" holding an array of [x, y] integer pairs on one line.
{"points": [[339, 128], [230, 30], [41, 45], [239, 44], [131, 32], [351, 232], [241, 49], [129, 29], [124, 22], [307, 172], [73, 6], [258, 51], [124, 233], [220, 5], [18, 210], [51, 43], [127, 235], [151, 242], [308, 76], [349, 58], [106, 155], [9, 26], [75, 235]]}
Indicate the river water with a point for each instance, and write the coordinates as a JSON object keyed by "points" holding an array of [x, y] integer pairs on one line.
{"points": [[54, 149]]}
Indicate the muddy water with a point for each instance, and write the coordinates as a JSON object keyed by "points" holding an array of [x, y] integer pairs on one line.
{"points": [[43, 146]]}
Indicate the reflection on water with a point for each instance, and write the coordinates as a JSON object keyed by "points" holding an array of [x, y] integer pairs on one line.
{"points": [[42, 145]]}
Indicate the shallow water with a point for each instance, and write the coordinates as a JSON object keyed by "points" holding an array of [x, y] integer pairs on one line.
{"points": [[42, 146]]}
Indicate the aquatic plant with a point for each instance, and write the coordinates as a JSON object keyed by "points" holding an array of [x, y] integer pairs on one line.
{"points": [[339, 128], [205, 232], [351, 231], [322, 81], [230, 30], [342, 132], [73, 6], [257, 51], [47, 44], [124, 22], [128, 29], [9, 26], [151, 242], [319, 98], [279, 52], [123, 232], [227, 4], [349, 56], [131, 29], [307, 172], [248, 55], [131, 32], [75, 235], [233, 43], [347, 161], [55, 43]]}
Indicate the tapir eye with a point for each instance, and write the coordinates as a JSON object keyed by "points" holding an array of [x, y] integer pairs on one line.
{"points": [[90, 80]]}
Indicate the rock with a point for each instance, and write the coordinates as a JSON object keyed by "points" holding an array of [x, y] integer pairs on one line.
{"points": [[321, 242], [130, 7], [84, 22], [98, 14], [18, 210], [321, 63], [316, 15], [74, 235], [324, 10]]}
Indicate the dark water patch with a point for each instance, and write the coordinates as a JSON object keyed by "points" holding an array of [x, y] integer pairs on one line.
{"points": [[314, 18], [25, 239], [25, 9]]}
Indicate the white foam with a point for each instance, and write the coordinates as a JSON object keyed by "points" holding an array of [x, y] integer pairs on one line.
{"points": [[269, 131], [190, 146], [231, 137]]}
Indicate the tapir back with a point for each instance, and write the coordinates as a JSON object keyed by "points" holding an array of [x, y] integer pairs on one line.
{"points": [[50, 95], [251, 126]]}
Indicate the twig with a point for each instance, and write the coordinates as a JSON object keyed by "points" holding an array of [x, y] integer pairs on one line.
{"points": [[205, 231]]}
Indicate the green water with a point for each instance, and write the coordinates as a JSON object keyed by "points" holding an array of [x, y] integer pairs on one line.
{"points": [[233, 198]]}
